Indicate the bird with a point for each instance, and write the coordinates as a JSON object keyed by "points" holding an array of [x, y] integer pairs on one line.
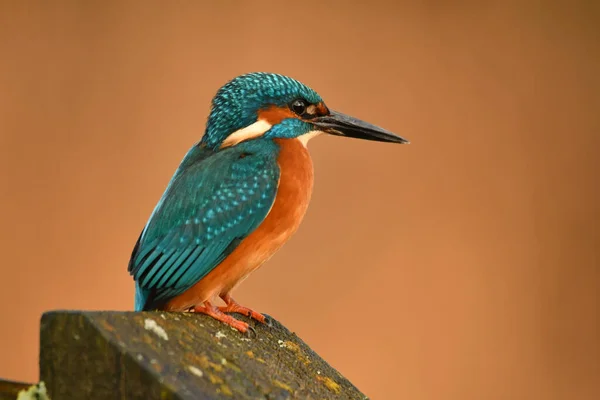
{"points": [[237, 196]]}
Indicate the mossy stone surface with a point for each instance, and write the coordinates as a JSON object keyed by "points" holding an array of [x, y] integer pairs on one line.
{"points": [[161, 355]]}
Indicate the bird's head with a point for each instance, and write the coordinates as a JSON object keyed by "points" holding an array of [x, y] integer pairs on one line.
{"points": [[276, 106]]}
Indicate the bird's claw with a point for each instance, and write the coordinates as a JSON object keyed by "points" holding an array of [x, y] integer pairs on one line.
{"points": [[268, 321], [250, 333]]}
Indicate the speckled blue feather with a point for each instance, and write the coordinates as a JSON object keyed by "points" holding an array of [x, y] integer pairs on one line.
{"points": [[214, 200]]}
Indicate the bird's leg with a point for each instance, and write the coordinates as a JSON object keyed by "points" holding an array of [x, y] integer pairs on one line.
{"points": [[216, 313], [233, 307]]}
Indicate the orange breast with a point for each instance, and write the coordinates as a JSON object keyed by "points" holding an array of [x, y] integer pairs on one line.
{"points": [[291, 202]]}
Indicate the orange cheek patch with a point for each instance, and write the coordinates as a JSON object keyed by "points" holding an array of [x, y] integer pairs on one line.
{"points": [[274, 115]]}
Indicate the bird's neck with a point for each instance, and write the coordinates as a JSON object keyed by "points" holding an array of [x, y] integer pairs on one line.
{"points": [[294, 156], [296, 170]]}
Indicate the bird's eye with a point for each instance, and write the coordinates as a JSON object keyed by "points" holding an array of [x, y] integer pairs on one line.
{"points": [[299, 106]]}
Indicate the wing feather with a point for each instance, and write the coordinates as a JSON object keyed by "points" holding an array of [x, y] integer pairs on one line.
{"points": [[209, 206]]}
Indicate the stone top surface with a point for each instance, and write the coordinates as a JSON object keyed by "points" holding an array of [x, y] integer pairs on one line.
{"points": [[179, 356]]}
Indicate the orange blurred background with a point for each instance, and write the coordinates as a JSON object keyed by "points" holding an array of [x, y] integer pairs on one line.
{"points": [[462, 266]]}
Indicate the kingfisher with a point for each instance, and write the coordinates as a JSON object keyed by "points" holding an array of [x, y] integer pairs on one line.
{"points": [[237, 196]]}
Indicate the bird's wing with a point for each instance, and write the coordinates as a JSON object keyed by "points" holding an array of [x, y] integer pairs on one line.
{"points": [[209, 207]]}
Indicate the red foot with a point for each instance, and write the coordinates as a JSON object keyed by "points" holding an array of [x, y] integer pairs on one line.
{"points": [[233, 307], [217, 314]]}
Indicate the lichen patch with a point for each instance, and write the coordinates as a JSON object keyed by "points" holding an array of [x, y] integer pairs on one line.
{"points": [[294, 348], [196, 371], [225, 390], [34, 392], [151, 325], [220, 335], [214, 379], [331, 384], [283, 386]]}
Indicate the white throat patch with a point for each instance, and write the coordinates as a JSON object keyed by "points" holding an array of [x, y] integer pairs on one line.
{"points": [[307, 136]]}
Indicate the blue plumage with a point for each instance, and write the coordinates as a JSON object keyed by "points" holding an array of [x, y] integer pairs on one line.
{"points": [[288, 128], [208, 208], [237, 102]]}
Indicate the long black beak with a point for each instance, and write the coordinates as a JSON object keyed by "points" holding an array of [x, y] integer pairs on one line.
{"points": [[344, 125]]}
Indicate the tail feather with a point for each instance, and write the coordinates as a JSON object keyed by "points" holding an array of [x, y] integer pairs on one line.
{"points": [[141, 297]]}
